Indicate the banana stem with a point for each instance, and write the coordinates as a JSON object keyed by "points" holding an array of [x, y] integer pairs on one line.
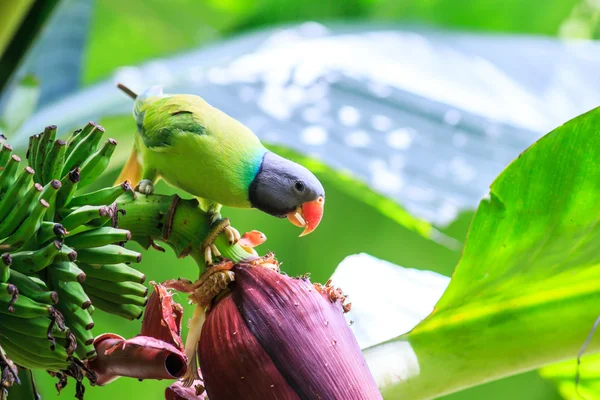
{"points": [[175, 221]]}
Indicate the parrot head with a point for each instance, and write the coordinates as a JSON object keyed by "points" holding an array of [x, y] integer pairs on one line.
{"points": [[142, 100], [283, 189]]}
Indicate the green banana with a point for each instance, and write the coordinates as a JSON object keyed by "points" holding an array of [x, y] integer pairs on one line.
{"points": [[84, 349], [91, 309], [7, 177], [72, 292], [31, 289], [33, 154], [113, 272], [79, 134], [127, 311], [68, 188], [109, 254], [132, 288], [76, 314], [114, 297], [54, 161], [41, 347], [67, 272], [5, 271], [102, 196], [22, 306], [49, 230], [30, 261], [25, 358], [86, 146], [5, 152], [50, 190], [15, 191], [32, 150], [39, 327], [29, 226], [69, 343], [98, 237], [40, 282], [84, 215], [44, 145], [66, 254], [20, 211], [95, 164]]}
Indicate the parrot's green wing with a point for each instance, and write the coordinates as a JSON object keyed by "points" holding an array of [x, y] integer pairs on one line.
{"points": [[167, 117]]}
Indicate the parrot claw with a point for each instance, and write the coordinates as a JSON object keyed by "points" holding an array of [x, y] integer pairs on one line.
{"points": [[209, 252], [217, 227], [233, 236], [145, 186]]}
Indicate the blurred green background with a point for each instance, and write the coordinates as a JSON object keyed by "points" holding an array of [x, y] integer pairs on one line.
{"points": [[357, 220]]}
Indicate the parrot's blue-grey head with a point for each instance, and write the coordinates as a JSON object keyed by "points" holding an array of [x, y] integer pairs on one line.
{"points": [[283, 188], [153, 93]]}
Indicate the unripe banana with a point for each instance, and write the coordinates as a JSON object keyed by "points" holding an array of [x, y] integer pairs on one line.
{"points": [[50, 230], [95, 165], [15, 191], [27, 359], [102, 196], [22, 306], [66, 254], [109, 254], [98, 237], [50, 190], [29, 226], [46, 140], [54, 161], [38, 346], [113, 272], [5, 263], [32, 153], [68, 187], [31, 261], [32, 150], [31, 289], [72, 292], [39, 327], [73, 313], [8, 175], [84, 215], [132, 288], [18, 214], [5, 154], [67, 272], [84, 351], [83, 149], [127, 311], [114, 297], [77, 135]]}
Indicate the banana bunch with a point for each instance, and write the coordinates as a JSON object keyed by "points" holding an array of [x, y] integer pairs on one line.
{"points": [[62, 252]]}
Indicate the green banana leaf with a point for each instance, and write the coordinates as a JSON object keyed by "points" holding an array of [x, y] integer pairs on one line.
{"points": [[526, 291], [575, 383]]}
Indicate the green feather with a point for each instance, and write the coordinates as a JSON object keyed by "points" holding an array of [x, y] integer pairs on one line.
{"points": [[198, 148]]}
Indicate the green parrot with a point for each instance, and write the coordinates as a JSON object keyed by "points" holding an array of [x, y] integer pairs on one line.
{"points": [[195, 147]]}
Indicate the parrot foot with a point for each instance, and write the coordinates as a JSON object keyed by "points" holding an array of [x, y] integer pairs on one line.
{"points": [[145, 186], [212, 282], [217, 227]]}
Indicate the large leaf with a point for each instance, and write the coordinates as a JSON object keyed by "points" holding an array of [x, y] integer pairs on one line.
{"points": [[527, 289], [563, 375]]}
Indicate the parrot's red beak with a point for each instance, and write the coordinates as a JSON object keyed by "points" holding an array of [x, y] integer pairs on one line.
{"points": [[308, 215]]}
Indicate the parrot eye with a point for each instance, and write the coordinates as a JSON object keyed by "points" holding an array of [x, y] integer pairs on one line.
{"points": [[299, 186]]}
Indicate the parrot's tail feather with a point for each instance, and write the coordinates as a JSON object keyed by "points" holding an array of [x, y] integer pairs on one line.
{"points": [[132, 170]]}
